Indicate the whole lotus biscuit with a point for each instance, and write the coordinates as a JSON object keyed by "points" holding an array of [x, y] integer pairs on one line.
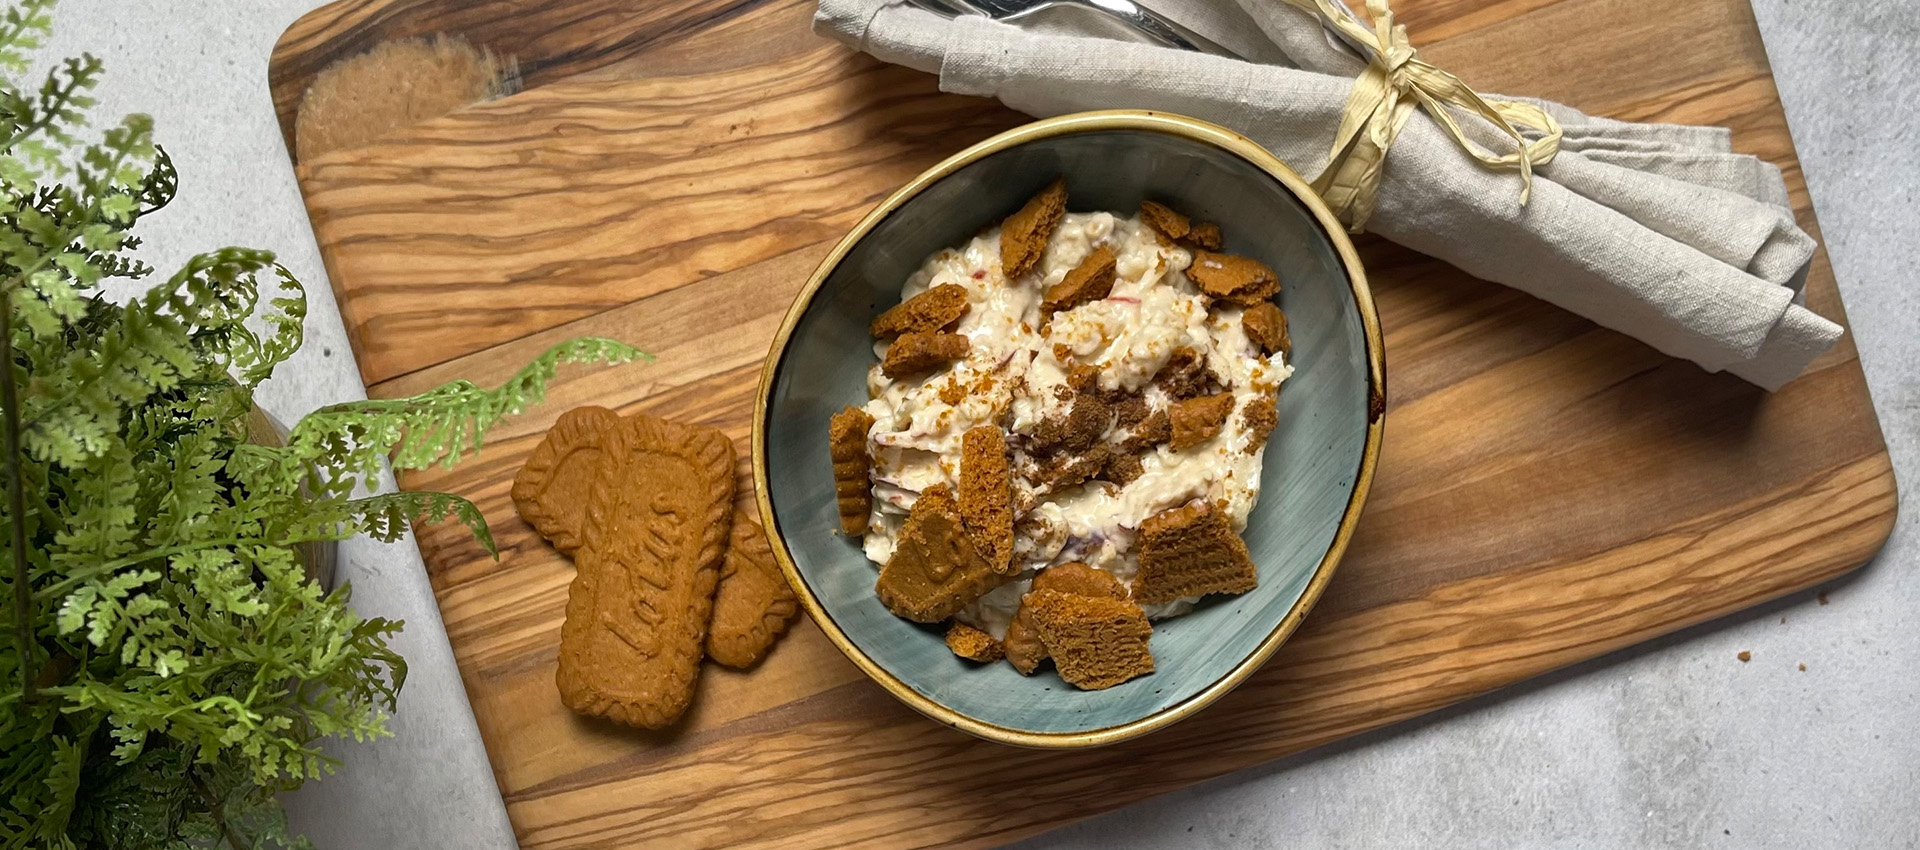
{"points": [[847, 447], [973, 644], [918, 353], [1024, 235], [935, 570], [929, 311], [1266, 327], [1164, 221], [1022, 645], [986, 494], [1095, 642], [753, 603], [1090, 281], [648, 553], [1232, 278], [1197, 420], [1191, 551]]}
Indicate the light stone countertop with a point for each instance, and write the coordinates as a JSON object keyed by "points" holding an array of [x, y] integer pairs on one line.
{"points": [[1674, 743]]}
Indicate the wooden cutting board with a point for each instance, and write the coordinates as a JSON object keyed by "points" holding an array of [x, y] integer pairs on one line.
{"points": [[673, 169]]}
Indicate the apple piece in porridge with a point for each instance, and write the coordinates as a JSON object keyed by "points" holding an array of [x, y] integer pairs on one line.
{"points": [[973, 644], [935, 570], [1266, 327], [986, 494], [1023, 647], [1023, 237], [847, 447], [1232, 278], [1095, 642], [929, 311], [1191, 551], [1197, 420], [918, 353]]}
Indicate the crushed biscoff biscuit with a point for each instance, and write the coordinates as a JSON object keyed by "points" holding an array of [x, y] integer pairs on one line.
{"points": [[1232, 278], [973, 644], [929, 311], [1095, 642], [1267, 327], [917, 353], [1024, 235], [1191, 551]]}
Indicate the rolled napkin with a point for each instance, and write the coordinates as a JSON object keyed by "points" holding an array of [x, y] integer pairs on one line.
{"points": [[1657, 231]]}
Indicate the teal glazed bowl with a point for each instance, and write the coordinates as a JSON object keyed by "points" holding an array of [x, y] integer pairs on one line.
{"points": [[1319, 460]]}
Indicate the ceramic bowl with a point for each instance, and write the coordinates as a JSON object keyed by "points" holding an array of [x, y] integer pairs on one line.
{"points": [[1319, 460]]}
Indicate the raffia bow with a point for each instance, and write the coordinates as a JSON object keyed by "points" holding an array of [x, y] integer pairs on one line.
{"points": [[1383, 97]]}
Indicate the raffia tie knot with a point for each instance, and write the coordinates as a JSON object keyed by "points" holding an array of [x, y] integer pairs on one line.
{"points": [[1383, 97]]}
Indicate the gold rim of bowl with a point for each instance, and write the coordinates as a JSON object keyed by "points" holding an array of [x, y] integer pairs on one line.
{"points": [[1086, 122]]}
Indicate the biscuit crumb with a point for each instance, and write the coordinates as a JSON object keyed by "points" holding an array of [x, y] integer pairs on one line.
{"points": [[1157, 428], [1259, 419], [1191, 551], [973, 644], [1822, 597], [929, 311], [1198, 420], [935, 570], [986, 494], [1023, 647], [1086, 420], [1185, 374], [1204, 235], [1070, 470], [1023, 237], [1232, 278], [1171, 225], [1745, 656], [1095, 642], [1803, 667], [847, 446], [1123, 468], [916, 353], [1090, 281], [953, 392], [1266, 327]]}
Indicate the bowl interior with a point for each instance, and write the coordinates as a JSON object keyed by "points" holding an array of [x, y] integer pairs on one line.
{"points": [[1312, 460]]}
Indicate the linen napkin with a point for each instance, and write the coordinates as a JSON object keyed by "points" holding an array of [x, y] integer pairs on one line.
{"points": [[1658, 231]]}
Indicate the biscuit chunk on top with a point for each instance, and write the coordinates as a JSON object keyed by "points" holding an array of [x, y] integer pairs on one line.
{"points": [[1095, 642], [973, 644], [1022, 646], [1090, 281], [1266, 327], [1024, 235], [1191, 551], [1197, 420], [847, 446], [986, 494], [1232, 278], [918, 353], [929, 311], [935, 570]]}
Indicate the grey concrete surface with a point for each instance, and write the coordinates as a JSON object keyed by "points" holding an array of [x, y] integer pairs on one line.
{"points": [[1671, 744]]}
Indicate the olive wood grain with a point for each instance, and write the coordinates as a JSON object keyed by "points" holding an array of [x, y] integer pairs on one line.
{"points": [[1548, 492]]}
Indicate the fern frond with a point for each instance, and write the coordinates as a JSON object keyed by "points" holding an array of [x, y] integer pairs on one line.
{"points": [[386, 516]]}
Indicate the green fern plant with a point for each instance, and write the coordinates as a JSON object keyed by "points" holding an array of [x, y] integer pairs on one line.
{"points": [[171, 666]]}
